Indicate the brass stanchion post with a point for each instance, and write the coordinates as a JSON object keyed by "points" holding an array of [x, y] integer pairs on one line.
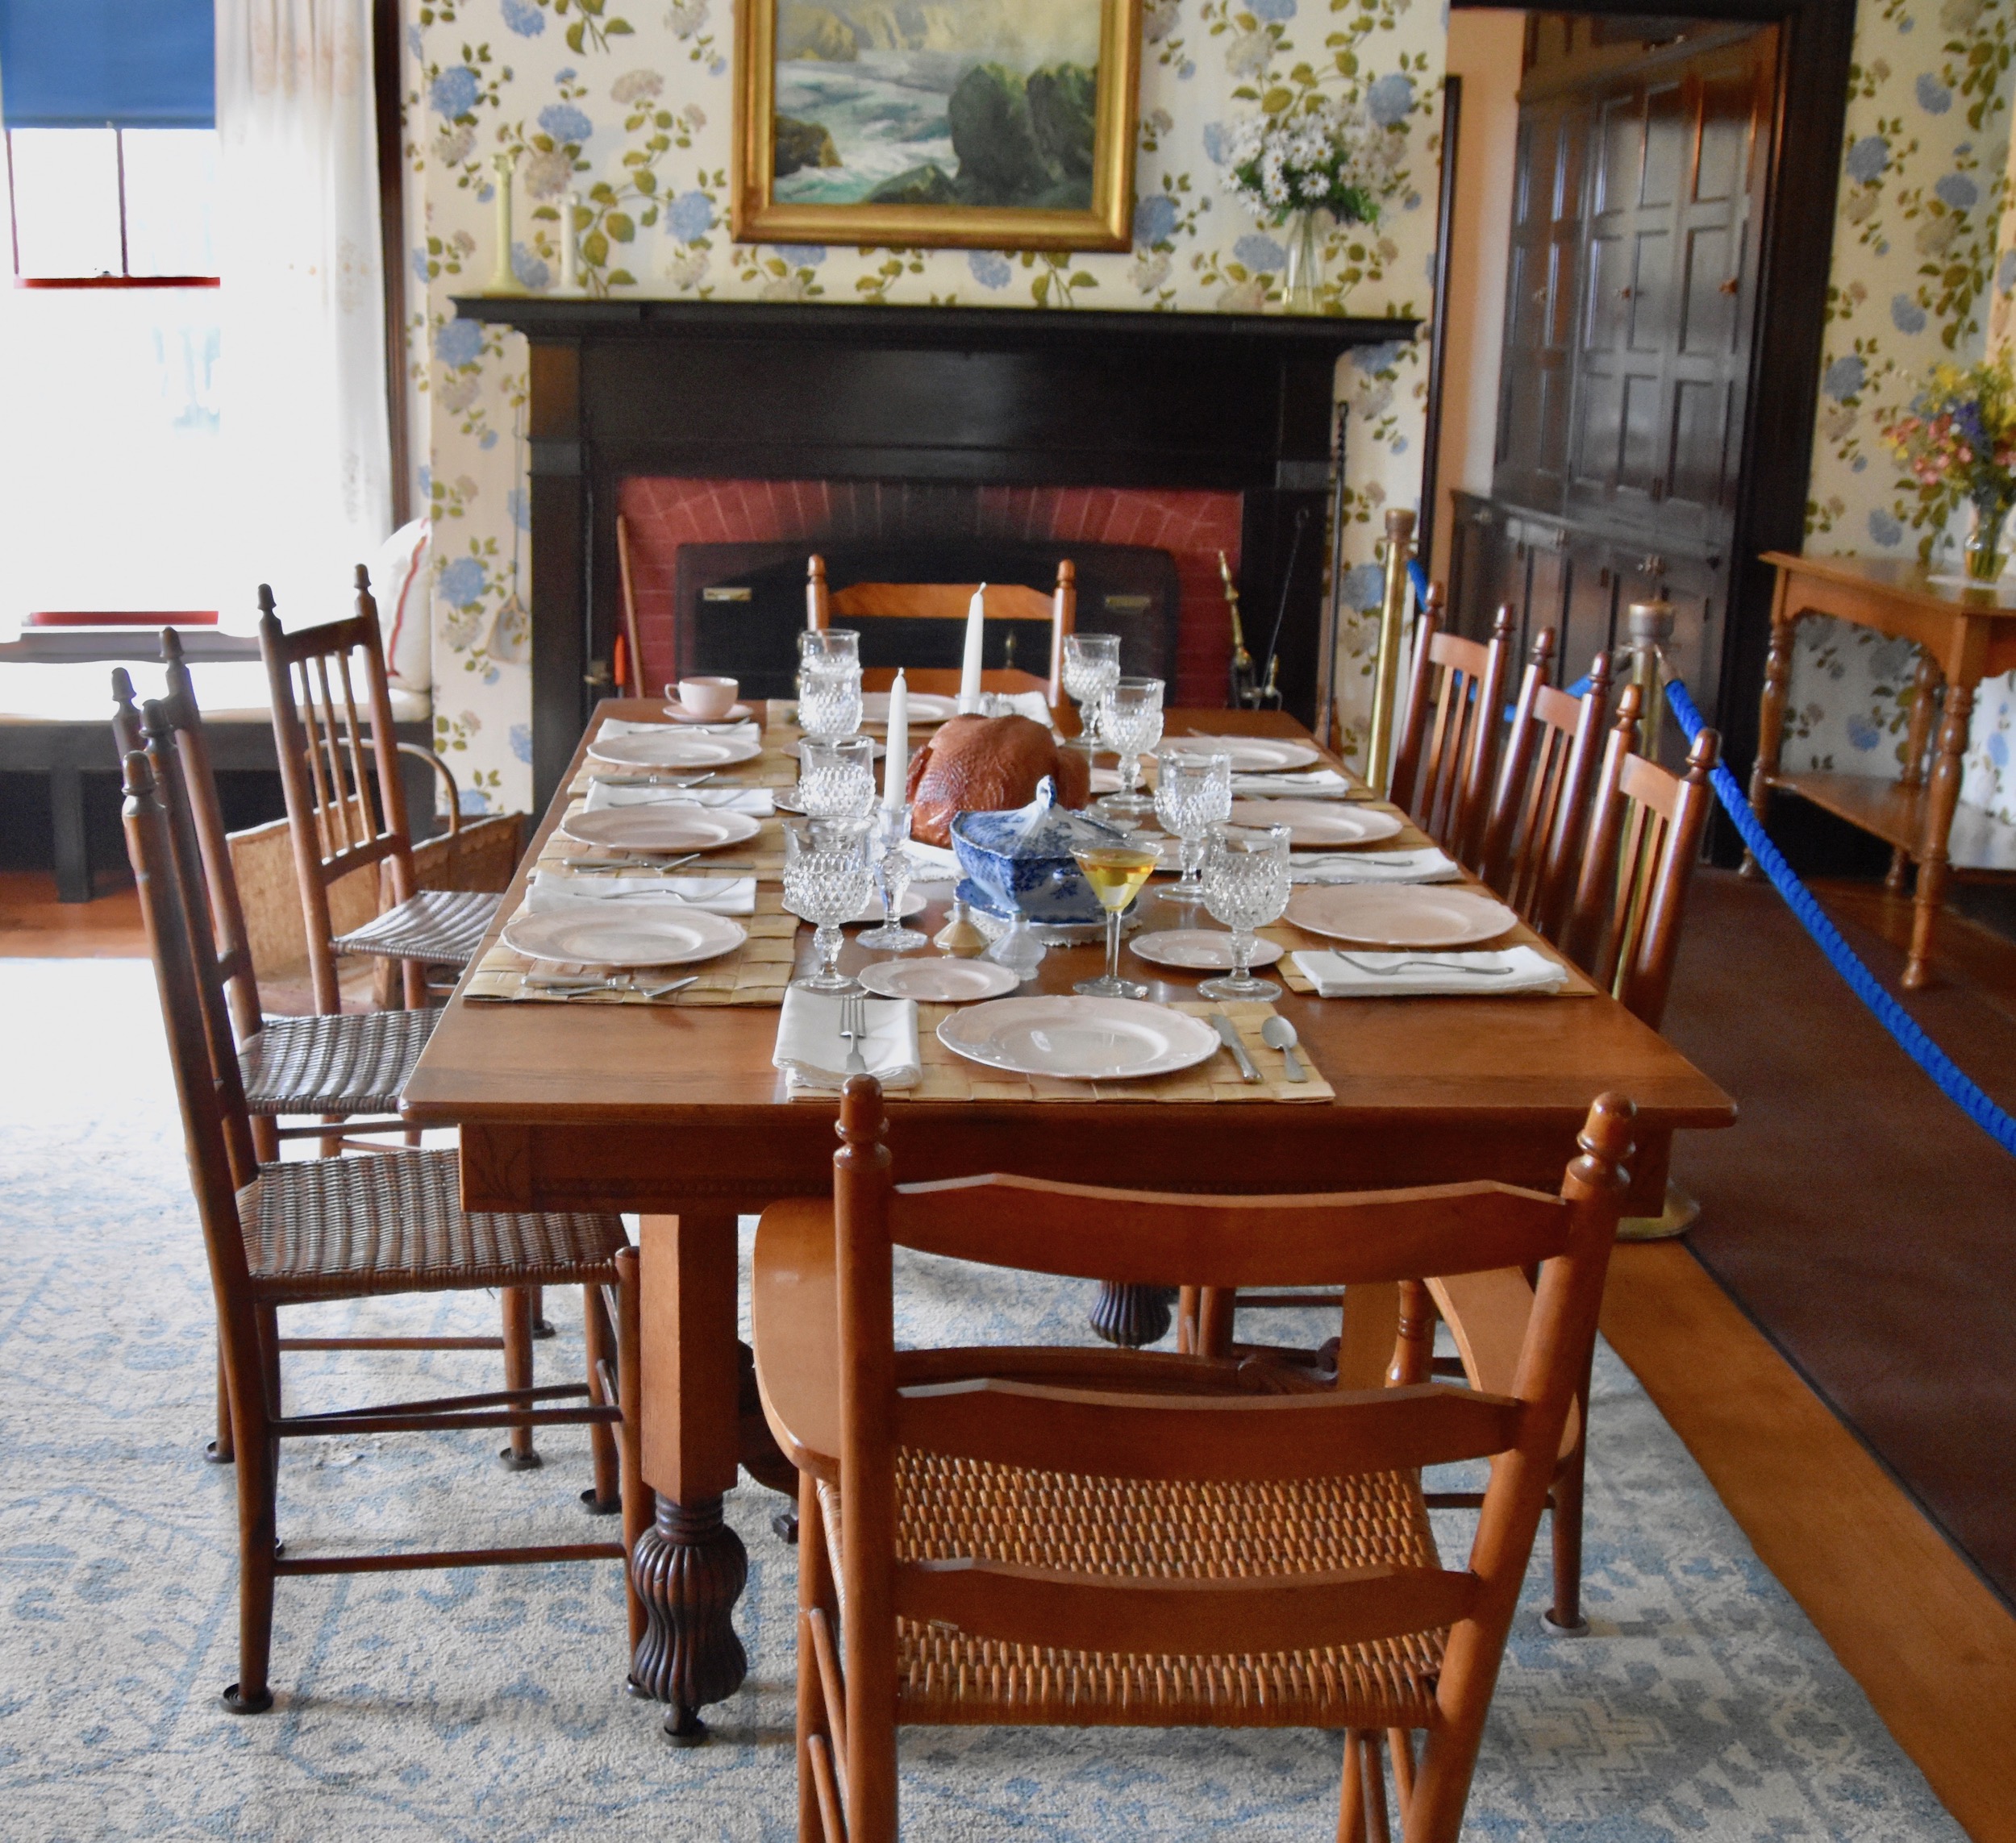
{"points": [[1398, 548]]}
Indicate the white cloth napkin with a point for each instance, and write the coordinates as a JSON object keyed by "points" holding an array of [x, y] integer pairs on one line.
{"points": [[937, 862], [1303, 783], [756, 800], [812, 1056], [623, 727], [1351, 973], [553, 891], [1428, 865], [1030, 704]]}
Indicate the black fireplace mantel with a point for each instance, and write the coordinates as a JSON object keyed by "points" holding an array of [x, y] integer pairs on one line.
{"points": [[1230, 402]]}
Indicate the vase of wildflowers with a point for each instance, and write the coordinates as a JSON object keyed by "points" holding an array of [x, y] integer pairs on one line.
{"points": [[1294, 169], [1958, 441]]}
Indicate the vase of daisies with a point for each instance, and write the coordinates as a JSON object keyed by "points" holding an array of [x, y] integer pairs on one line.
{"points": [[1304, 168], [1958, 442]]}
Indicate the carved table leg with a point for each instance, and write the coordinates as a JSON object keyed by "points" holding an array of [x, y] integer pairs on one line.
{"points": [[1924, 707], [1132, 1315], [1940, 799], [1770, 718], [689, 1567]]}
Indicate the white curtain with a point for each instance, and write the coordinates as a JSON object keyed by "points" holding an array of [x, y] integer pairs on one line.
{"points": [[303, 389]]}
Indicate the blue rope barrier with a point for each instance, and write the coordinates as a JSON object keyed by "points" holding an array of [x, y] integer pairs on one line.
{"points": [[1952, 1081]]}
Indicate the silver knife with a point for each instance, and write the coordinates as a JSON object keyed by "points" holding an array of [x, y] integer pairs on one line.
{"points": [[1228, 1035]]}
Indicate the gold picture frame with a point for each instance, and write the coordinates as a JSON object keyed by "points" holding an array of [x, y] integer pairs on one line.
{"points": [[925, 205]]}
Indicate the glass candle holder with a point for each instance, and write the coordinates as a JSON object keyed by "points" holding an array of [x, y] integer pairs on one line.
{"points": [[889, 830]]}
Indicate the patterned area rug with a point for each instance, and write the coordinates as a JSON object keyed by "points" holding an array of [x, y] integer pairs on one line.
{"points": [[487, 1704]]}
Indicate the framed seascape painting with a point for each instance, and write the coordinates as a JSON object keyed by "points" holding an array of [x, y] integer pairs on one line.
{"points": [[989, 124]]}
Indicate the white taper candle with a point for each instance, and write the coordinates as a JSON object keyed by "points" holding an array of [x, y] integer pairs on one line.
{"points": [[970, 666], [896, 764], [503, 279]]}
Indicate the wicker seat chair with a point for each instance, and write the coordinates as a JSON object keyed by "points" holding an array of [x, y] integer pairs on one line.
{"points": [[1110, 1538], [337, 826], [1449, 740], [1540, 808], [352, 1228], [332, 1067]]}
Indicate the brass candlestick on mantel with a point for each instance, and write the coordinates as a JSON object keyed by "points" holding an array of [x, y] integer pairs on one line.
{"points": [[1395, 552]]}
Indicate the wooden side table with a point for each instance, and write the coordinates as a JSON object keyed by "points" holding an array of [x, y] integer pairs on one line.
{"points": [[1963, 635]]}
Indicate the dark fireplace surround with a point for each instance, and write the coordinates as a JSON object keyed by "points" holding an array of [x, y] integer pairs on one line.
{"points": [[655, 391]]}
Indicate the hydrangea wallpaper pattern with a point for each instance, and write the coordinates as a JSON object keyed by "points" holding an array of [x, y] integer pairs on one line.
{"points": [[1923, 259], [626, 103]]}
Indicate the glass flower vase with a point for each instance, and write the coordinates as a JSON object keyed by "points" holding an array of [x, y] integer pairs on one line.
{"points": [[1984, 553], [1303, 285]]}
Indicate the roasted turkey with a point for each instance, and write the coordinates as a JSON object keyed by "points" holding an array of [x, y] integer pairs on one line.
{"points": [[988, 764]]}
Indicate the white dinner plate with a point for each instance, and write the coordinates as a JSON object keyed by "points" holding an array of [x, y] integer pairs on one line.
{"points": [[791, 749], [674, 747], [926, 708], [1079, 1039], [1198, 949], [620, 932], [1314, 823], [1251, 754], [734, 713], [1377, 915], [939, 982], [661, 826]]}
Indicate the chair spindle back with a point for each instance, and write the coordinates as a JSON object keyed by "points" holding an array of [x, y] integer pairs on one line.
{"points": [[1449, 742], [1540, 812], [1644, 838], [328, 761]]}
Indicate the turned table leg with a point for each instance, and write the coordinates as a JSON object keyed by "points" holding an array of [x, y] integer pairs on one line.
{"points": [[689, 1567], [1131, 1315], [1924, 707], [1771, 717], [1940, 799]]}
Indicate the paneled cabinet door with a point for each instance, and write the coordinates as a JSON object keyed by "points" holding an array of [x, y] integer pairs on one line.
{"points": [[1487, 570], [1588, 611], [1668, 299]]}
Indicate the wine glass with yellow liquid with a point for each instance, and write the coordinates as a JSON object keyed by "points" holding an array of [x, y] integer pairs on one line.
{"points": [[1116, 873]]}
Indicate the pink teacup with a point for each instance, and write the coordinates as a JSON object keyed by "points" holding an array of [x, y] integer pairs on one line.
{"points": [[708, 699]]}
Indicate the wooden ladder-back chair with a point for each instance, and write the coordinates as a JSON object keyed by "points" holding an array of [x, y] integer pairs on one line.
{"points": [[338, 825], [949, 601], [1111, 1537], [1449, 741], [1644, 839], [1540, 812], [332, 1067], [322, 1229]]}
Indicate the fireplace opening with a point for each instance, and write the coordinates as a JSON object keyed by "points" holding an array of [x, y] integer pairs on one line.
{"points": [[718, 566]]}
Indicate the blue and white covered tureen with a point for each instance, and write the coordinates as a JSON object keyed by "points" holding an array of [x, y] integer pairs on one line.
{"points": [[1021, 859]]}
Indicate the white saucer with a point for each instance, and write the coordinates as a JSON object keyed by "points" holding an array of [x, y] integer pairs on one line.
{"points": [[734, 713], [939, 982], [1198, 949], [1318, 822], [674, 747], [1079, 1039], [1411, 915], [619, 933], [660, 827]]}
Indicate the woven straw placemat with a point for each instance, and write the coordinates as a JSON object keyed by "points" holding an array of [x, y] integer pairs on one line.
{"points": [[947, 1076]]}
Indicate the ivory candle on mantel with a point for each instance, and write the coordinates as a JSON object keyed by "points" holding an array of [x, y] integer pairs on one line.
{"points": [[896, 764], [970, 666], [503, 278], [569, 246]]}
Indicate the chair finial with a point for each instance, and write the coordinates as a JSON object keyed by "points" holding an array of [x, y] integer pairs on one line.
{"points": [[1544, 648], [363, 579], [140, 781], [266, 604], [1606, 1141], [1501, 627], [171, 648], [862, 1122], [1700, 757], [1433, 600], [1599, 676]]}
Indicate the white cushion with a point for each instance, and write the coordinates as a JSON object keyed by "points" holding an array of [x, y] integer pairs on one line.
{"points": [[399, 584]]}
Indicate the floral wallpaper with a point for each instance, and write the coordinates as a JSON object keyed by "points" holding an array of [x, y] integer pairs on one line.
{"points": [[627, 103], [1923, 263]]}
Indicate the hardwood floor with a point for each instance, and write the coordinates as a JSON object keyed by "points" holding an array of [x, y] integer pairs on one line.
{"points": [[1932, 1647]]}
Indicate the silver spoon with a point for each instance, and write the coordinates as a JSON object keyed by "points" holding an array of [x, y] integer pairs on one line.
{"points": [[1277, 1033]]}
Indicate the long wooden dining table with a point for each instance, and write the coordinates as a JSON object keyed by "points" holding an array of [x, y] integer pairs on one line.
{"points": [[675, 1112]]}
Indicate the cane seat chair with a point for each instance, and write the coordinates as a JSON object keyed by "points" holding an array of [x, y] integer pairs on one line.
{"points": [[950, 601], [1450, 737], [1540, 808], [338, 827], [1112, 1538], [283, 1234]]}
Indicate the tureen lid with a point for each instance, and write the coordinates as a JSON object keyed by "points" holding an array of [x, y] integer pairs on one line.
{"points": [[1042, 829]]}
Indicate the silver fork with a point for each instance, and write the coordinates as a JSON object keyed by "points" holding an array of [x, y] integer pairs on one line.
{"points": [[854, 1031], [1433, 966]]}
